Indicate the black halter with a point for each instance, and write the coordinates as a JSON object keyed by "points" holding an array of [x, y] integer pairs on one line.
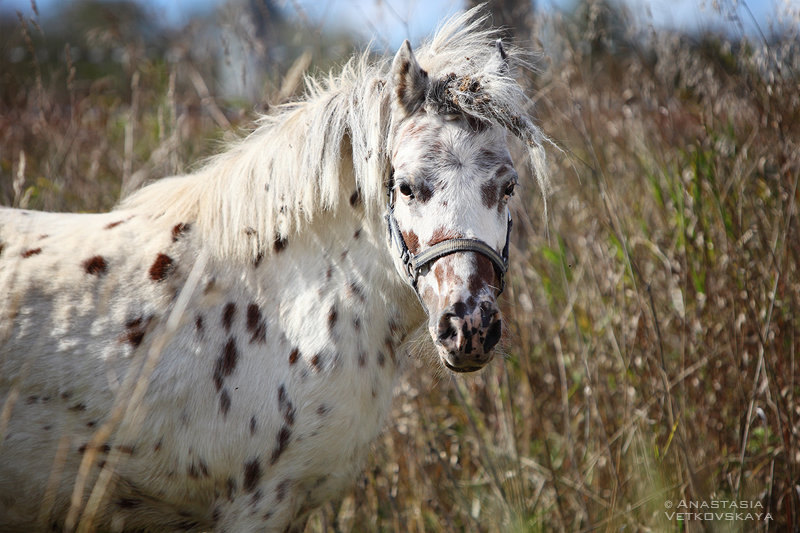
{"points": [[413, 264]]}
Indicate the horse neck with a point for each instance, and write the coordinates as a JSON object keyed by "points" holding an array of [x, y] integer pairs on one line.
{"points": [[335, 279]]}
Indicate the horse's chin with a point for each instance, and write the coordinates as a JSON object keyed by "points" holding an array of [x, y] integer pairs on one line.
{"points": [[463, 369], [452, 364]]}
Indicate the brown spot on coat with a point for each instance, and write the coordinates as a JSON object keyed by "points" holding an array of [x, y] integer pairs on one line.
{"points": [[31, 252], [127, 449], [178, 230], [488, 158], [281, 490], [424, 192], [225, 363], [489, 194], [252, 475], [135, 330], [280, 244], [197, 470], [285, 406], [400, 90], [224, 402], [355, 198], [333, 315], [294, 356], [228, 313], [412, 241], [256, 326], [253, 425], [357, 291], [112, 225], [415, 129], [97, 265], [445, 274], [161, 268], [390, 348], [198, 324], [316, 362], [231, 488], [283, 437], [137, 322], [442, 234], [482, 276], [210, 286], [128, 503], [105, 448]]}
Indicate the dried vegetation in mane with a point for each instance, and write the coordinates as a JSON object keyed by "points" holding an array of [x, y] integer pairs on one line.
{"points": [[305, 155]]}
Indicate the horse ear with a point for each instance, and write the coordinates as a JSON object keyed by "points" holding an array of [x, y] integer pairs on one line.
{"points": [[410, 80]]}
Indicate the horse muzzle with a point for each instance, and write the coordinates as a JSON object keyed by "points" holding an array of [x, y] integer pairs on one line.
{"points": [[465, 337]]}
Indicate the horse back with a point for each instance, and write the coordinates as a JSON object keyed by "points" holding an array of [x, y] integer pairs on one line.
{"points": [[79, 296]]}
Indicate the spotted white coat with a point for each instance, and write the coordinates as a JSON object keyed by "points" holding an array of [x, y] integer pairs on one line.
{"points": [[219, 351]]}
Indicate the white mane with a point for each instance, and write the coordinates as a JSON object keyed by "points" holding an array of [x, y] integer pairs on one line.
{"points": [[304, 156]]}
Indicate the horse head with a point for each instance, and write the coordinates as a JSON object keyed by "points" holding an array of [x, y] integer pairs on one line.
{"points": [[449, 223]]}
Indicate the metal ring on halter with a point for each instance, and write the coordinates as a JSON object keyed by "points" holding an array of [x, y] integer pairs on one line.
{"points": [[413, 264]]}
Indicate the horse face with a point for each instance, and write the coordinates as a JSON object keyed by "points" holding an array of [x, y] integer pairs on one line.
{"points": [[452, 180]]}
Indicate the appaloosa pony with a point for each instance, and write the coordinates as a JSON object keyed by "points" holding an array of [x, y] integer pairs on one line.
{"points": [[219, 351]]}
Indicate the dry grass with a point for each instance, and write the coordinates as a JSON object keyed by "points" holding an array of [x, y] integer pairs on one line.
{"points": [[652, 333]]}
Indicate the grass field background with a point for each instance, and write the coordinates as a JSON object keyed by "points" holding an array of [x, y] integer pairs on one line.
{"points": [[653, 322]]}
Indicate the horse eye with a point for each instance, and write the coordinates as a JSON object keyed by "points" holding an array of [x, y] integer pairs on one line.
{"points": [[405, 190], [510, 189]]}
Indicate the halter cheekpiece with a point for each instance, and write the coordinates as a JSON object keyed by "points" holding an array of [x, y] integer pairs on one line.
{"points": [[413, 264]]}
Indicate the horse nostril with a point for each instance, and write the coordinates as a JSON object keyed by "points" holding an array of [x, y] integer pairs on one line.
{"points": [[492, 336], [447, 329]]}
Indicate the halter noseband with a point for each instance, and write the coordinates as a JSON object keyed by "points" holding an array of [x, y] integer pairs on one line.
{"points": [[413, 264]]}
